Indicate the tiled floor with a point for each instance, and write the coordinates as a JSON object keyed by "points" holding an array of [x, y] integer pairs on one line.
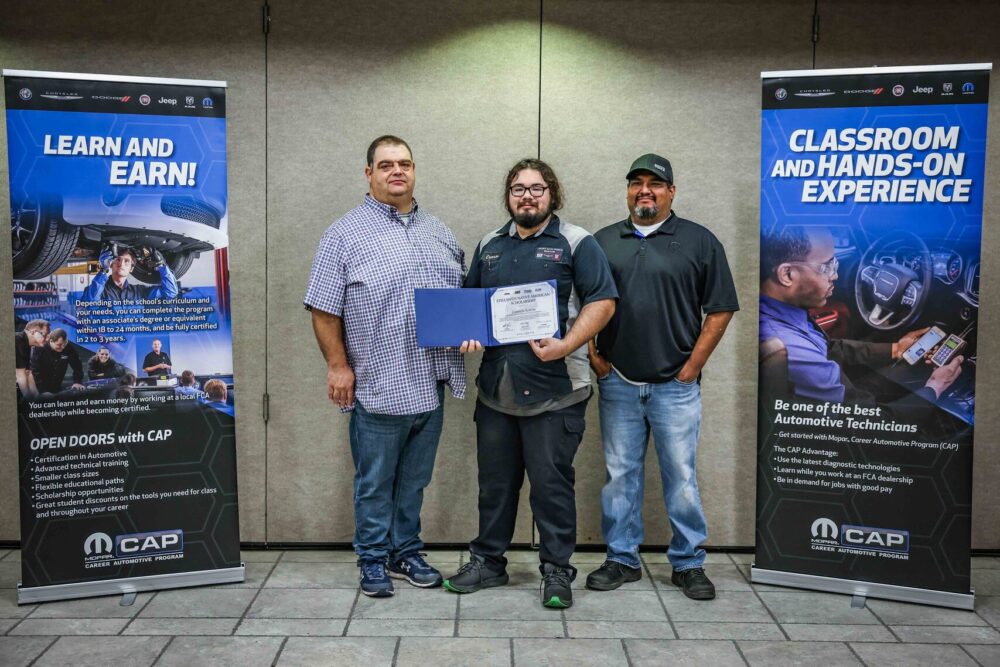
{"points": [[303, 608]]}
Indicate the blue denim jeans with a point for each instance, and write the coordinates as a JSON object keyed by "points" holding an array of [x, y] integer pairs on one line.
{"points": [[393, 462], [672, 412]]}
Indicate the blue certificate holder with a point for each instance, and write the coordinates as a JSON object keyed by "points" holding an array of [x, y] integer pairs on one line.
{"points": [[446, 317]]}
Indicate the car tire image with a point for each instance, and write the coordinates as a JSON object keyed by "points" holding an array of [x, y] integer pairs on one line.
{"points": [[40, 240], [179, 263]]}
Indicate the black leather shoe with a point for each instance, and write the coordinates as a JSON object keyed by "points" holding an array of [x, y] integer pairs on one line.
{"points": [[694, 583], [612, 574]]}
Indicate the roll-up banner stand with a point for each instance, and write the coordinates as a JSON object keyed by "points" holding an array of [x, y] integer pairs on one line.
{"points": [[122, 334], [871, 220]]}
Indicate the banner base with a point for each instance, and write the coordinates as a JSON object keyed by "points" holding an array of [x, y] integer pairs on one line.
{"points": [[864, 588], [86, 589]]}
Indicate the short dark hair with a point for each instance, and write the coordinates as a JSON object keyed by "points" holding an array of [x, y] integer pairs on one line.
{"points": [[549, 176], [125, 250], [187, 378], [791, 245], [386, 139], [57, 334]]}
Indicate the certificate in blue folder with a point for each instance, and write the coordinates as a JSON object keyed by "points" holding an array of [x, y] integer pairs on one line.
{"points": [[491, 315]]}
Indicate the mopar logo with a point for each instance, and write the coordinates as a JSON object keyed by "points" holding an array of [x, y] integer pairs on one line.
{"points": [[207, 103], [968, 88], [149, 544], [825, 529], [97, 544], [879, 539]]}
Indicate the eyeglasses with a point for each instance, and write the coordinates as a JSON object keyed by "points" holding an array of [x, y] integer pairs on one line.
{"points": [[536, 190], [824, 269]]}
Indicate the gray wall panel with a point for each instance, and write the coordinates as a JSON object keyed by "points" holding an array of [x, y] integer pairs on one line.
{"points": [[220, 40], [680, 79], [460, 84]]}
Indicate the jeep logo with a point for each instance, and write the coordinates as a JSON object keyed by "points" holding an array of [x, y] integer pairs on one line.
{"points": [[149, 544], [923, 89], [884, 539]]}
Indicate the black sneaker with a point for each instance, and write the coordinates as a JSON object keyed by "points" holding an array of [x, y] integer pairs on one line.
{"points": [[694, 583], [612, 574], [475, 575], [556, 590]]}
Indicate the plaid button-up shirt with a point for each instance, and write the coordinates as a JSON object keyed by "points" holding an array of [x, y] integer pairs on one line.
{"points": [[366, 267]]}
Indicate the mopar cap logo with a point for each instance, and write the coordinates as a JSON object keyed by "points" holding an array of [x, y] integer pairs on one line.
{"points": [[24, 94], [780, 94], [898, 90], [207, 103], [878, 539], [149, 544], [968, 88], [825, 529], [97, 544]]}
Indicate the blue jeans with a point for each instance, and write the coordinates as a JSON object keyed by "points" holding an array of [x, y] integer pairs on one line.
{"points": [[393, 462], [672, 411]]}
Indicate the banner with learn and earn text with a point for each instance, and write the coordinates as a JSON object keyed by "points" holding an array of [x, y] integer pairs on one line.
{"points": [[122, 334], [872, 187]]}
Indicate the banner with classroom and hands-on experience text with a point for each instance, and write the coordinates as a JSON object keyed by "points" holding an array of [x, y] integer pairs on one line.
{"points": [[872, 184]]}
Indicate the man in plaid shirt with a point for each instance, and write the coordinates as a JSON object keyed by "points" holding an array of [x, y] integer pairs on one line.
{"points": [[360, 294]]}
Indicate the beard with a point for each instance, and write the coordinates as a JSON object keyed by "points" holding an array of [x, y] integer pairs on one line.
{"points": [[528, 220], [646, 212]]}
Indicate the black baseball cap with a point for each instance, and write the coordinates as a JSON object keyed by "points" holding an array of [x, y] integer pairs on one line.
{"points": [[653, 164]]}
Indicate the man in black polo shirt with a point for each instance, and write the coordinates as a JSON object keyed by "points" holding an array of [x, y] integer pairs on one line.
{"points": [[49, 363], [648, 361], [533, 396], [157, 362], [35, 334]]}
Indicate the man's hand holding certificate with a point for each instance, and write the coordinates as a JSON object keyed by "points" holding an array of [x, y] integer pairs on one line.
{"points": [[491, 316]]}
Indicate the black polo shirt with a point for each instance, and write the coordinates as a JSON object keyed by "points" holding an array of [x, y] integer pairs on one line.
{"points": [[22, 350], [154, 359], [49, 367], [666, 281], [562, 252]]}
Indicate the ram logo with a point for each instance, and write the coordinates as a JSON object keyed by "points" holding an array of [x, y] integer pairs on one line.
{"points": [[878, 539], [97, 544], [149, 544], [825, 529]]}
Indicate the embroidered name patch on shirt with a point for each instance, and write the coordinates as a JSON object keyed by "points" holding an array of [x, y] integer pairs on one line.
{"points": [[551, 254]]}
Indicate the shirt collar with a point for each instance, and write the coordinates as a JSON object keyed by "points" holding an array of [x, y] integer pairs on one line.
{"points": [[784, 312], [551, 229], [387, 209], [669, 226]]}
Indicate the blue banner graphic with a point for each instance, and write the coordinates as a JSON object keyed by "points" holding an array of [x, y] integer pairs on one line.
{"points": [[123, 338], [872, 186]]}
